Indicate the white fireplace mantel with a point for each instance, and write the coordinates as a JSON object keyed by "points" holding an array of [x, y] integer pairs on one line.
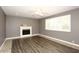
{"points": [[25, 27]]}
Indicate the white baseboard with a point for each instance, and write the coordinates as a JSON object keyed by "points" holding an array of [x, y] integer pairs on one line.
{"points": [[16, 38], [2, 45], [66, 43], [21, 37], [35, 34]]}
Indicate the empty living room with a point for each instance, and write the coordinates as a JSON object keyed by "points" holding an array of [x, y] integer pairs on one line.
{"points": [[42, 29], [39, 29]]}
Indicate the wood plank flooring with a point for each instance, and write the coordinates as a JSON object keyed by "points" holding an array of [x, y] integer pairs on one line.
{"points": [[6, 47], [39, 45]]}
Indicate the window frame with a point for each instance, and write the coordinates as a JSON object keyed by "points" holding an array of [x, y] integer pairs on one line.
{"points": [[64, 30]]}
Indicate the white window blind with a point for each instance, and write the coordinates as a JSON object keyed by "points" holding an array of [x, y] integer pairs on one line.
{"points": [[61, 23]]}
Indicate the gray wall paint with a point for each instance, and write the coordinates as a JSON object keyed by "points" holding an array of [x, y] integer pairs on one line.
{"points": [[13, 25], [2, 26], [67, 36]]}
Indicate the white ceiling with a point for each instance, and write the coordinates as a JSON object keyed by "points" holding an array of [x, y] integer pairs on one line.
{"points": [[35, 12]]}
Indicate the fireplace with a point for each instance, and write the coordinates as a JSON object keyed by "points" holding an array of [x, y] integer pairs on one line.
{"points": [[25, 31]]}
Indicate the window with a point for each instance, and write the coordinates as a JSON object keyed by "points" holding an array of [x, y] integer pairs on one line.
{"points": [[62, 23]]}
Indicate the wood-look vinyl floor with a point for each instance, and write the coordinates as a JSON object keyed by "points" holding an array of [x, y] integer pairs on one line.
{"points": [[39, 45]]}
